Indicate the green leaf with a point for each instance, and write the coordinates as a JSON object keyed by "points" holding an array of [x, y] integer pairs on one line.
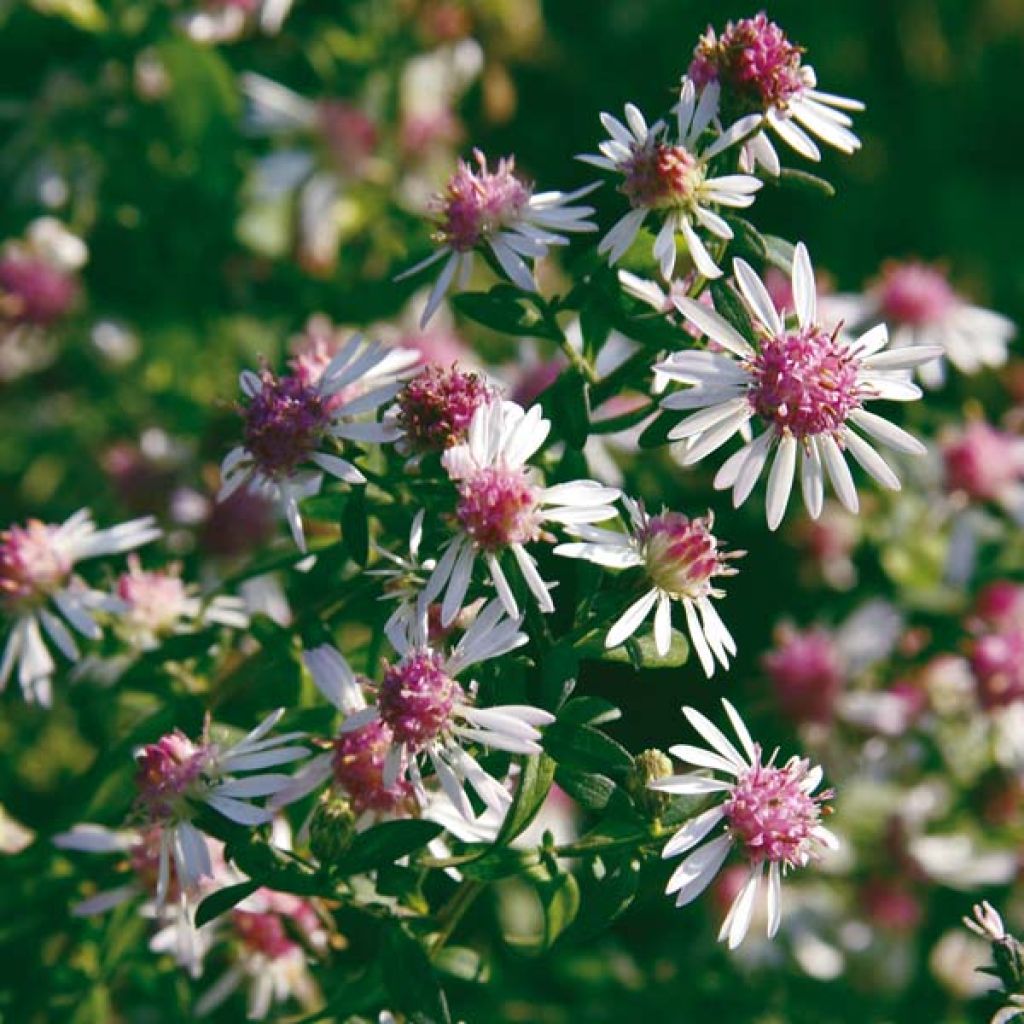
{"points": [[806, 182], [410, 978], [535, 778], [604, 896], [595, 327], [499, 862], [729, 304], [779, 253], [567, 402], [584, 747], [504, 309], [463, 963], [222, 900], [589, 710], [640, 652], [355, 527], [655, 435], [589, 789], [559, 897], [385, 843], [747, 240]]}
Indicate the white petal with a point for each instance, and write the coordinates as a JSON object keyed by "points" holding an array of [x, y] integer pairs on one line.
{"points": [[692, 832], [757, 296], [780, 480], [631, 620], [886, 432], [805, 295], [871, 461], [838, 472], [715, 327]]}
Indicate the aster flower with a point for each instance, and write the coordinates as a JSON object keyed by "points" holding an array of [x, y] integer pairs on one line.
{"points": [[432, 717], [771, 816], [156, 603], [288, 422], [985, 463], [807, 384], [759, 69], [224, 21], [497, 211], [37, 563], [502, 507], [668, 179], [176, 775], [38, 283], [680, 558], [269, 934], [920, 307]]}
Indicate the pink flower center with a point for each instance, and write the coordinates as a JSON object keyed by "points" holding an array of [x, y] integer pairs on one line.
{"points": [[476, 204], [168, 772], [998, 664], [156, 600], [350, 136], [33, 291], [1002, 604], [659, 176], [770, 812], [274, 931], [284, 422], [32, 565], [752, 59], [416, 698], [808, 675], [804, 382], [359, 767], [680, 554], [983, 461], [436, 407], [498, 507], [914, 293]]}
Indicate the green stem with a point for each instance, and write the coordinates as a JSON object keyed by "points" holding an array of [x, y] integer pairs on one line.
{"points": [[452, 912]]}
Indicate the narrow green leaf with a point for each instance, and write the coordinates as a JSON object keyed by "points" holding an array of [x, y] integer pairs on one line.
{"points": [[779, 253], [503, 309], [535, 778], [590, 790], [655, 435], [463, 963], [355, 527], [567, 402], [729, 304], [385, 843], [222, 900], [806, 182], [499, 862], [410, 978], [589, 710], [584, 747]]}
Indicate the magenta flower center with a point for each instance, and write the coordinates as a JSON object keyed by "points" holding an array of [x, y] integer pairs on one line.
{"points": [[680, 554], [436, 407], [275, 931], [350, 136], [808, 674], [914, 293], [33, 291], [983, 461], [156, 600], [804, 383], [168, 773], [417, 697], [476, 204], [498, 507], [659, 177], [32, 565], [284, 423], [359, 769], [997, 661], [753, 60], [772, 815]]}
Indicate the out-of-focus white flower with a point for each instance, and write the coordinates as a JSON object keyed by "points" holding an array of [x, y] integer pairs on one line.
{"points": [[224, 21]]}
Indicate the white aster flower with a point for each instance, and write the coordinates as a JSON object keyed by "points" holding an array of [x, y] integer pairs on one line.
{"points": [[668, 179], [807, 384], [498, 211], [920, 307], [759, 69], [224, 21], [290, 420], [502, 507], [771, 819], [680, 557], [37, 564], [175, 776]]}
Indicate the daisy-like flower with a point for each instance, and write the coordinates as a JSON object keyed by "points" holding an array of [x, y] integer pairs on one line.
{"points": [[37, 563], [760, 70], [223, 21], [176, 775], [920, 307], [498, 211], [271, 936], [156, 604], [503, 507], [771, 816], [680, 558], [668, 179], [806, 383], [985, 463], [432, 717], [289, 421]]}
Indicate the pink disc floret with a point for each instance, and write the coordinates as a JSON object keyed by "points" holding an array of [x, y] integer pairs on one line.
{"points": [[805, 382], [807, 671], [983, 461], [659, 176], [168, 772], [359, 769], [417, 697], [914, 294], [284, 422], [436, 407], [478, 203], [33, 291], [680, 554], [498, 507], [771, 814], [32, 564], [156, 599]]}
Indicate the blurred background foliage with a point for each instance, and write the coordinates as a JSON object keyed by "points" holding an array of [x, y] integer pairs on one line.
{"points": [[133, 134]]}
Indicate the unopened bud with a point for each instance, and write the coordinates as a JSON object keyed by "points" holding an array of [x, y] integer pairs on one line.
{"points": [[332, 827], [648, 766]]}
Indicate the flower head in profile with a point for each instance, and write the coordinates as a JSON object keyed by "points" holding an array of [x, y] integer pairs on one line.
{"points": [[920, 307], [667, 179], [502, 507], [984, 463], [39, 592], [294, 425], [770, 813], [497, 211], [807, 384], [175, 776], [681, 559], [759, 70]]}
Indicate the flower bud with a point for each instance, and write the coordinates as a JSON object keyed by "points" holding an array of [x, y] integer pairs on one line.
{"points": [[648, 766], [332, 827]]}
